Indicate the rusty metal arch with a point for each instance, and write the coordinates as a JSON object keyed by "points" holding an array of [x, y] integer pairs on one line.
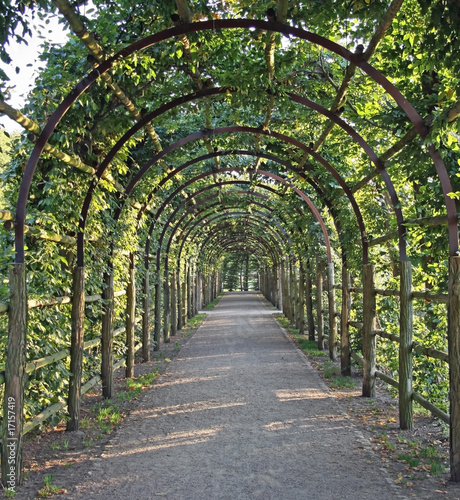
{"points": [[206, 188], [305, 198], [203, 214], [219, 24], [221, 130]]}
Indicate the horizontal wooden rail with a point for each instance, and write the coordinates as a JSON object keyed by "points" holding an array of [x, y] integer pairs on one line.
{"points": [[60, 405], [58, 301], [57, 356], [437, 412]]}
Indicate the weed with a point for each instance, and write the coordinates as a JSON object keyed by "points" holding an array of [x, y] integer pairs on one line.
{"points": [[428, 452], [88, 441], [49, 489], [65, 444], [68, 465], [9, 493], [341, 382], [85, 423], [330, 369], [177, 346], [411, 460], [436, 468], [55, 446]]}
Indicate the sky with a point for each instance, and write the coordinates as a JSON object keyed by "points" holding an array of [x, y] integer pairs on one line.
{"points": [[26, 58]]}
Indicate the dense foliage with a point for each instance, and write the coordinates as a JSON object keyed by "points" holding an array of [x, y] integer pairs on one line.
{"points": [[419, 54]]}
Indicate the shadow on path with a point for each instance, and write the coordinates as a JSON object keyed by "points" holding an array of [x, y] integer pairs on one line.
{"points": [[240, 414]]}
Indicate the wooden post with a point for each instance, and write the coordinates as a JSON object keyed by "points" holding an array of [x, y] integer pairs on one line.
{"points": [[130, 319], [199, 293], [345, 359], [166, 305], [146, 318], [189, 292], [405, 347], [368, 329], [15, 364], [332, 312], [309, 303], [180, 322], [157, 332], [453, 329], [319, 304], [301, 300], [107, 335], [76, 348], [173, 304]]}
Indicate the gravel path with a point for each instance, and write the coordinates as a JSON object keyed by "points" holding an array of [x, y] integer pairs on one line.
{"points": [[240, 414]]}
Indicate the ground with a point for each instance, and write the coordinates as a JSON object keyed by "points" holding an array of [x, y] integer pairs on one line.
{"points": [[417, 460]]}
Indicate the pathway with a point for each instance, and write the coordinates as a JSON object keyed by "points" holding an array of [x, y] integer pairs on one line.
{"points": [[239, 415]]}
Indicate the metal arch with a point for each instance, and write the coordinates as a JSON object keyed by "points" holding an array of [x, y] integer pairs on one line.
{"points": [[216, 230], [220, 216], [185, 237], [210, 92], [262, 186], [213, 25], [222, 130], [196, 223], [177, 191], [261, 172], [206, 209], [253, 245]]}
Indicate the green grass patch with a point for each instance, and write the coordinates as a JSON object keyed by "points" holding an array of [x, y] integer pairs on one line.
{"points": [[196, 320], [213, 304], [309, 347]]}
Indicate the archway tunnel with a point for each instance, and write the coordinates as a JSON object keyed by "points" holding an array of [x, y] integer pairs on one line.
{"points": [[180, 149]]}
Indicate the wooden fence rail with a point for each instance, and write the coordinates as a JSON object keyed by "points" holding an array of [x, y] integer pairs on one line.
{"points": [[445, 417]]}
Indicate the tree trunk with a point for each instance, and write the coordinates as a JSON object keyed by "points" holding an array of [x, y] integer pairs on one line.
{"points": [[454, 365], [15, 364], [332, 312], [130, 319], [309, 303], [166, 306], [157, 333], [368, 329], [173, 304], [146, 318], [344, 327], [107, 336], [76, 348], [405, 348], [319, 304]]}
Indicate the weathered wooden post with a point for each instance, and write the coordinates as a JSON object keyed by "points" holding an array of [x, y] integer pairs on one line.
{"points": [[301, 309], [157, 331], [199, 291], [107, 334], [166, 304], [345, 359], [76, 348], [146, 317], [15, 364], [405, 347], [369, 308], [189, 291], [130, 318], [454, 365], [309, 302], [173, 303], [332, 312], [180, 320], [319, 304]]}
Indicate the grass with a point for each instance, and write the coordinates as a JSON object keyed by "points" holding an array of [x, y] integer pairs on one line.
{"points": [[212, 304], [49, 489]]}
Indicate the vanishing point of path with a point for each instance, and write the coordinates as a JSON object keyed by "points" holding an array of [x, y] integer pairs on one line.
{"points": [[240, 414]]}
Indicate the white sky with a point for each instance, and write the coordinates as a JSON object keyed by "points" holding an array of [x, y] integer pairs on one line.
{"points": [[26, 58]]}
